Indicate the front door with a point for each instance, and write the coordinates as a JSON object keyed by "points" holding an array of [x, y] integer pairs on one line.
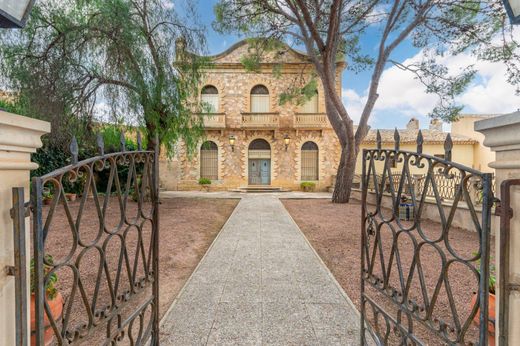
{"points": [[259, 172]]}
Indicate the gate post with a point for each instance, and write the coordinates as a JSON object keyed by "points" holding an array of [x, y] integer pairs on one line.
{"points": [[501, 135], [19, 137]]}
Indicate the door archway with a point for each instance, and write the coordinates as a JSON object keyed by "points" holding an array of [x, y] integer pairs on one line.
{"points": [[259, 162]]}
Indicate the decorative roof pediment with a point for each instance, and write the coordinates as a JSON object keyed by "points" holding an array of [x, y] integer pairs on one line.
{"points": [[283, 54]]}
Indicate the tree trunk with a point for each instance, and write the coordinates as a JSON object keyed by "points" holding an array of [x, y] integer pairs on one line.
{"points": [[345, 175]]}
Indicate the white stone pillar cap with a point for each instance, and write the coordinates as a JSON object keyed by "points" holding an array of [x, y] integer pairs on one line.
{"points": [[19, 135], [502, 132]]}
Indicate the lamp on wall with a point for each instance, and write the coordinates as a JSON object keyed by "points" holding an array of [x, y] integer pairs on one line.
{"points": [[513, 10], [232, 142], [14, 13], [286, 140]]}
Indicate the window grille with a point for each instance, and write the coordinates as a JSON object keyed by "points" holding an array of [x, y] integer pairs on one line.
{"points": [[209, 160], [309, 161]]}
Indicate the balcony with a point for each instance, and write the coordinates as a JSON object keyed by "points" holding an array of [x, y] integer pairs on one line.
{"points": [[310, 120], [260, 120], [214, 120]]}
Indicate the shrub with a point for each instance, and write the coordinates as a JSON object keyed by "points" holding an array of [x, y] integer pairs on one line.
{"points": [[204, 181], [307, 186], [52, 279]]}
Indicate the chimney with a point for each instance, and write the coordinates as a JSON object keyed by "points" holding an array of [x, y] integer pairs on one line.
{"points": [[180, 48], [413, 124], [436, 125]]}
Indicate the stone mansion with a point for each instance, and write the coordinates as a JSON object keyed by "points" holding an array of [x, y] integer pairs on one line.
{"points": [[251, 139]]}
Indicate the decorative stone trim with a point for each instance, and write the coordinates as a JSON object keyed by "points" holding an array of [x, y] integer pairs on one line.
{"points": [[274, 156]]}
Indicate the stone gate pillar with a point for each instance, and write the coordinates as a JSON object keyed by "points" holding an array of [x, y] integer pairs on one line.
{"points": [[19, 137], [502, 135]]}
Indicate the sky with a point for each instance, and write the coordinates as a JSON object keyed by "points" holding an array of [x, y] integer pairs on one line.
{"points": [[401, 96]]}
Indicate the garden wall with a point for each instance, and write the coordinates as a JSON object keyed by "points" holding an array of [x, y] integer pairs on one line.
{"points": [[462, 217]]}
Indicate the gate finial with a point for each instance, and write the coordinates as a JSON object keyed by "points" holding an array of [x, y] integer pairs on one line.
{"points": [[100, 144], [74, 150], [397, 139], [139, 141], [448, 145], [420, 141], [122, 141], [378, 140]]}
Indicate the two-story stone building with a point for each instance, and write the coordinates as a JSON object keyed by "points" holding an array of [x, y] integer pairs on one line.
{"points": [[251, 139]]}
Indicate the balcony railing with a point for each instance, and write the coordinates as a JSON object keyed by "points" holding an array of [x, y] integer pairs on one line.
{"points": [[310, 120], [213, 120], [260, 120]]}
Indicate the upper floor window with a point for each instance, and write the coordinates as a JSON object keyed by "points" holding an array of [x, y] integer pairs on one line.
{"points": [[209, 99], [311, 105], [259, 99]]}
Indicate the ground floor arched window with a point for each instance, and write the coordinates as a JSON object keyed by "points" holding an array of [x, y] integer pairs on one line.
{"points": [[309, 161], [209, 160]]}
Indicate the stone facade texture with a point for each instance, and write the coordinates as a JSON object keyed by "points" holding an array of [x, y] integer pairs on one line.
{"points": [[234, 84]]}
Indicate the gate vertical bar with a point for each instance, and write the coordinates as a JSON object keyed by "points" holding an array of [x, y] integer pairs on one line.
{"points": [[363, 240], [39, 289], [155, 334], [487, 201], [506, 213], [20, 266]]}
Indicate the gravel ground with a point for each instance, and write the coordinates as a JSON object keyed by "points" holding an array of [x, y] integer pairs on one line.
{"points": [[187, 228], [334, 231]]}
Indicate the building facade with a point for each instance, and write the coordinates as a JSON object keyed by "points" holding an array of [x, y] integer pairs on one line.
{"points": [[251, 139]]}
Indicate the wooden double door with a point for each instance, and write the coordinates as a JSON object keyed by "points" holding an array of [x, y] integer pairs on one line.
{"points": [[259, 172]]}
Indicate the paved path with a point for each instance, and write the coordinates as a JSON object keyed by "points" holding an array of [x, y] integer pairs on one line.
{"points": [[261, 284], [230, 194]]}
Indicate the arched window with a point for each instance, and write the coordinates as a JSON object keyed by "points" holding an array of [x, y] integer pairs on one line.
{"points": [[311, 105], [310, 154], [209, 160], [259, 99], [209, 99]]}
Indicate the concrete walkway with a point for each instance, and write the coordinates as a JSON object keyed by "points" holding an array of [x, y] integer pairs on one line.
{"points": [[261, 283]]}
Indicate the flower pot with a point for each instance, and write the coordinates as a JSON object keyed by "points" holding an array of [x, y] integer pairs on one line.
{"points": [[47, 201], [71, 197], [56, 309], [491, 317]]}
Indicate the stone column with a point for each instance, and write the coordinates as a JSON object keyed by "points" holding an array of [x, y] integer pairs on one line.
{"points": [[19, 137], [502, 135]]}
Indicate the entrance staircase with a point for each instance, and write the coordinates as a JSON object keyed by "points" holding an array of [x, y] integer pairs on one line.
{"points": [[259, 189]]}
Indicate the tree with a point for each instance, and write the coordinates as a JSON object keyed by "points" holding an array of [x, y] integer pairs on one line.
{"points": [[115, 52], [332, 29]]}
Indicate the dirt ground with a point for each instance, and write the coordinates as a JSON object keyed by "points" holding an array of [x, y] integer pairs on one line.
{"points": [[188, 226], [334, 230]]}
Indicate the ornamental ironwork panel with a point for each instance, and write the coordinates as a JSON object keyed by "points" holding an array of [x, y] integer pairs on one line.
{"points": [[423, 281], [95, 249]]}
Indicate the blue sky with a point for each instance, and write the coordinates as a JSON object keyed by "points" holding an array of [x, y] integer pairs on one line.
{"points": [[401, 96]]}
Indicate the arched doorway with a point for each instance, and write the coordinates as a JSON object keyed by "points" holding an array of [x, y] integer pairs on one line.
{"points": [[259, 165]]}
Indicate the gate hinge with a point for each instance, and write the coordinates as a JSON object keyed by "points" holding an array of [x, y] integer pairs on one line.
{"points": [[498, 209], [26, 210]]}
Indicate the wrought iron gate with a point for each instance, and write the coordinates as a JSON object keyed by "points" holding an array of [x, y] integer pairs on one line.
{"points": [[97, 256], [402, 302]]}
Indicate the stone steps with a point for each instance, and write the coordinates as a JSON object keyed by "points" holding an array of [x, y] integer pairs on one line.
{"points": [[259, 189]]}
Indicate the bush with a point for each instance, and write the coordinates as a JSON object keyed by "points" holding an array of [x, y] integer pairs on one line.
{"points": [[307, 186], [204, 181]]}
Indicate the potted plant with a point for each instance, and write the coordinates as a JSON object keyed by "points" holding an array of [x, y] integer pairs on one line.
{"points": [[47, 196], [205, 183], [307, 186], [491, 305], [71, 197], [53, 298]]}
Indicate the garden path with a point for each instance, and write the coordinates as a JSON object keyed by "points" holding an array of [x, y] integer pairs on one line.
{"points": [[261, 283]]}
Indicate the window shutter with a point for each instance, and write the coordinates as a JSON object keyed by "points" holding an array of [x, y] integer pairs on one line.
{"points": [[259, 103], [210, 102], [209, 161]]}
